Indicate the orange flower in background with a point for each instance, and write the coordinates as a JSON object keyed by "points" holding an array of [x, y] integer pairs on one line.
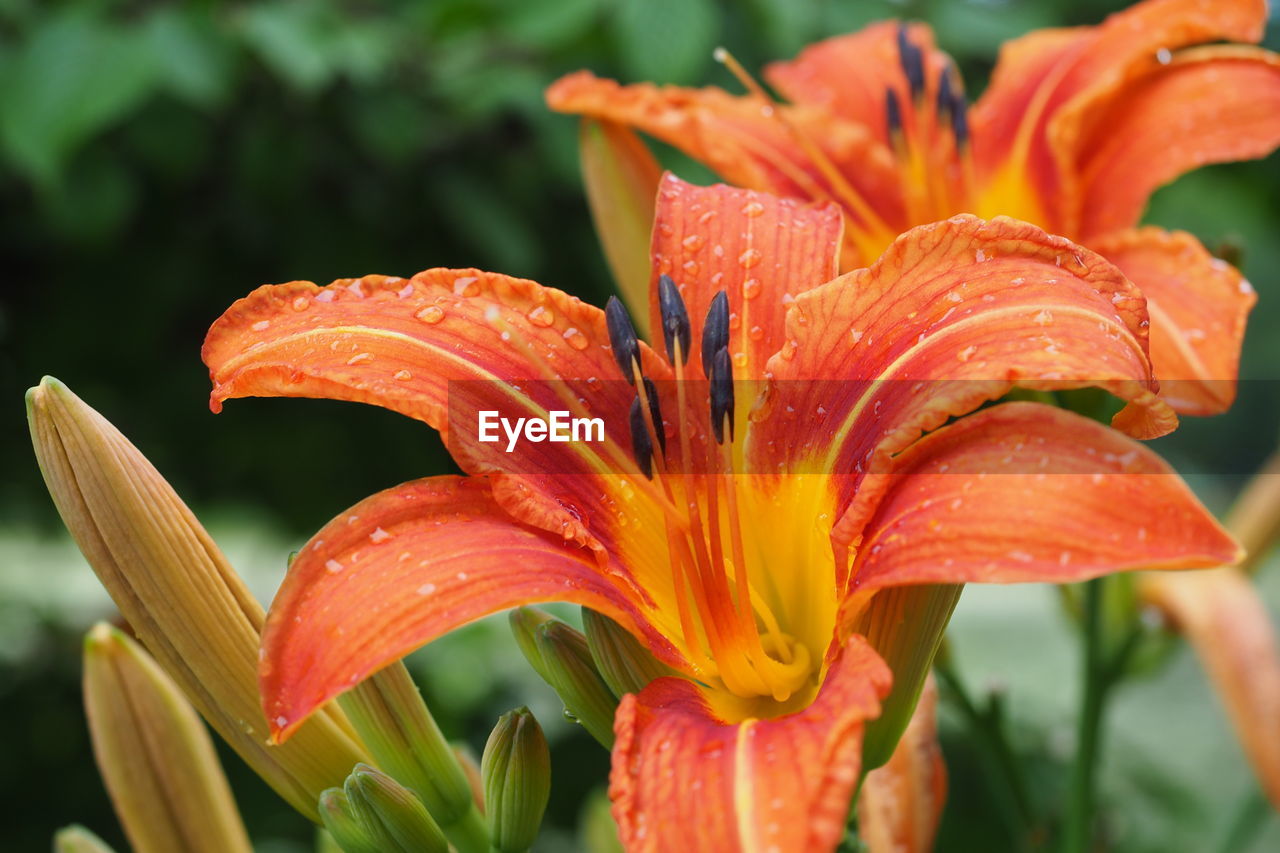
{"points": [[760, 480], [1078, 127]]}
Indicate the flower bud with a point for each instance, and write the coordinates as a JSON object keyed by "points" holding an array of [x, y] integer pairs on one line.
{"points": [[391, 813], [516, 770], [187, 605], [77, 839], [389, 715], [624, 663], [559, 653], [154, 754], [343, 826]]}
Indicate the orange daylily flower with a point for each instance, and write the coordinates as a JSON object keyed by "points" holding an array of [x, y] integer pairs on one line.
{"points": [[1078, 127], [737, 536]]}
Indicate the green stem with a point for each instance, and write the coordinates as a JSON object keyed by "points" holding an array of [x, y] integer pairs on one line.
{"points": [[1078, 831], [1249, 820], [1001, 762], [468, 834]]}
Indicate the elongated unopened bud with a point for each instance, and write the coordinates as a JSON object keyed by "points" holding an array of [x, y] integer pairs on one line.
{"points": [[342, 824], [516, 770], [77, 839], [559, 653], [188, 606], [154, 754], [389, 715], [623, 662], [392, 814], [905, 626]]}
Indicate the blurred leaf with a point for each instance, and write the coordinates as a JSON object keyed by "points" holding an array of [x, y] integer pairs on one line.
{"points": [[785, 26], [196, 58], [547, 24], [309, 44], [74, 76], [666, 41], [493, 228]]}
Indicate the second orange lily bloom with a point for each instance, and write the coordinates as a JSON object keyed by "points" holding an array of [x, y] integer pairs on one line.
{"points": [[738, 535], [1078, 127]]}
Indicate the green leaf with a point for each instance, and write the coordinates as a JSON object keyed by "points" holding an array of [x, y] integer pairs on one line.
{"points": [[195, 56], [666, 41], [75, 76]]}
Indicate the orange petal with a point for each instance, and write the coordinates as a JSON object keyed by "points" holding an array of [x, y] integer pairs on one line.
{"points": [[1198, 307], [849, 75], [1043, 71], [683, 779], [398, 570], [748, 143], [441, 347], [900, 804], [1206, 106], [952, 315], [1230, 629], [760, 249], [1025, 492], [621, 179]]}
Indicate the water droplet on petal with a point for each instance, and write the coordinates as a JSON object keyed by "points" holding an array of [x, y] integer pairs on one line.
{"points": [[466, 286], [540, 316], [751, 288], [575, 339], [966, 353], [752, 209], [261, 325], [693, 242], [431, 314], [403, 376], [301, 303], [333, 567], [855, 335], [756, 333], [739, 359], [749, 258]]}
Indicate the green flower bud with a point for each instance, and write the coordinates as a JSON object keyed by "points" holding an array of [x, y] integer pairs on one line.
{"points": [[516, 771], [342, 824], [391, 813], [624, 663], [561, 656]]}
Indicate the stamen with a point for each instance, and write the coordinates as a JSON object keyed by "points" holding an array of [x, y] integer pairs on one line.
{"points": [[722, 394], [675, 321], [893, 121], [622, 337], [912, 61], [715, 332], [655, 414], [960, 121], [641, 444], [945, 106]]}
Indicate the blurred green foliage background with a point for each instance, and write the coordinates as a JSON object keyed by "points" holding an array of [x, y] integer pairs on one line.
{"points": [[159, 160]]}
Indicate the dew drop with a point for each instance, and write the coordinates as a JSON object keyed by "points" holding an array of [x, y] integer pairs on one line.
{"points": [[261, 325], [431, 314], [855, 335], [752, 209], [751, 288], [575, 339], [1044, 318], [756, 333], [466, 286], [403, 376], [749, 258], [691, 268], [735, 322], [379, 535], [693, 242], [426, 589], [301, 303], [360, 358], [333, 567], [966, 353], [739, 359]]}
